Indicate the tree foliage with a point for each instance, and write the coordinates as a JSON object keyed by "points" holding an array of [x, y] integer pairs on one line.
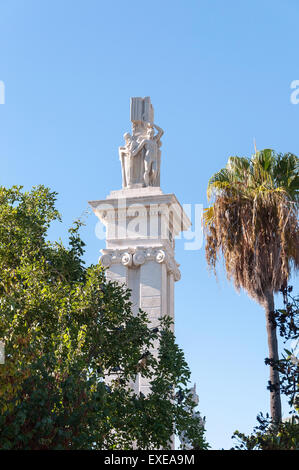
{"points": [[73, 348], [286, 320], [266, 435]]}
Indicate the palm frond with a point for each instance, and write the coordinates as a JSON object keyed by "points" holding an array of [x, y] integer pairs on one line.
{"points": [[208, 215], [253, 221]]}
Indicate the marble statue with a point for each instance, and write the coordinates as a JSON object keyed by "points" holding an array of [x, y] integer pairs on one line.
{"points": [[141, 155], [127, 163]]}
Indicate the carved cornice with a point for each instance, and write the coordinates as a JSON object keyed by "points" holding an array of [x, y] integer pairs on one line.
{"points": [[142, 205], [135, 257]]}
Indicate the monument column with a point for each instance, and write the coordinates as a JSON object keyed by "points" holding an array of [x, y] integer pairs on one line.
{"points": [[141, 223]]}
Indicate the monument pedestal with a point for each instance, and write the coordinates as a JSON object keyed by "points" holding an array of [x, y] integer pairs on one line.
{"points": [[140, 232]]}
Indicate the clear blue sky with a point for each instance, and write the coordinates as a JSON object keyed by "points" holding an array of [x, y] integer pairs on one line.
{"points": [[219, 75]]}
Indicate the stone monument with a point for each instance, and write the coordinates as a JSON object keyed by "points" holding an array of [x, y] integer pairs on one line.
{"points": [[185, 442], [142, 223]]}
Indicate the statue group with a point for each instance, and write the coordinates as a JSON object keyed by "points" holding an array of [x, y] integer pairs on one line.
{"points": [[141, 155]]}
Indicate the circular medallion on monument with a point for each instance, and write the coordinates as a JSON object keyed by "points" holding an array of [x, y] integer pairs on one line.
{"points": [[160, 256], [138, 258], [126, 259], [106, 260]]}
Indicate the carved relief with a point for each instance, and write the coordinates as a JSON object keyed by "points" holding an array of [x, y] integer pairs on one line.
{"points": [[138, 258], [126, 259], [141, 155], [133, 258], [106, 260], [160, 256]]}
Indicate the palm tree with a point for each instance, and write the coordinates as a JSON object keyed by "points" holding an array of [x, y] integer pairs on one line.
{"points": [[253, 224]]}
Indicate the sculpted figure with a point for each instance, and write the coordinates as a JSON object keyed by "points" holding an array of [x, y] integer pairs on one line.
{"points": [[141, 155], [126, 158], [151, 145]]}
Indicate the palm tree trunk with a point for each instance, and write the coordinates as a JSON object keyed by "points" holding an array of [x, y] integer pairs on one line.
{"points": [[275, 401]]}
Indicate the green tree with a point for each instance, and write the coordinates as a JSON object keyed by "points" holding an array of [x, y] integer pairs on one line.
{"points": [[66, 329], [285, 436], [286, 319], [253, 224]]}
